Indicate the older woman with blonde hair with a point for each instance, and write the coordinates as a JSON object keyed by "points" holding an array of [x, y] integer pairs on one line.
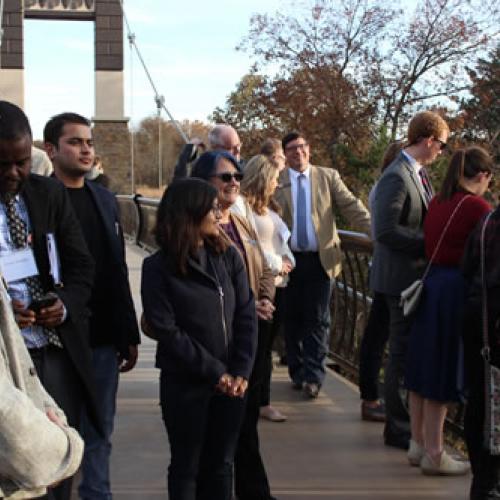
{"points": [[258, 187]]}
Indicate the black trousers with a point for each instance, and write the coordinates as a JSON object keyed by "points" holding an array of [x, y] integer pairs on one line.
{"points": [[485, 467], [275, 329], [372, 348], [397, 424], [60, 379], [202, 427], [307, 319], [250, 475]]}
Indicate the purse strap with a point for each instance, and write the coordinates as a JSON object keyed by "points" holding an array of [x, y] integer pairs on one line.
{"points": [[485, 351], [436, 249]]}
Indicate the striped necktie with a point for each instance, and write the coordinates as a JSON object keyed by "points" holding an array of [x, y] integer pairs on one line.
{"points": [[19, 236]]}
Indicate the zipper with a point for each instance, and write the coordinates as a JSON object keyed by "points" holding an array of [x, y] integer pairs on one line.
{"points": [[223, 312], [222, 307]]}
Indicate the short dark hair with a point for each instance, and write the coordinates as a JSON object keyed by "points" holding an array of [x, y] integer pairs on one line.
{"points": [[465, 163], [206, 164], [54, 127], [291, 136], [14, 123], [182, 208]]}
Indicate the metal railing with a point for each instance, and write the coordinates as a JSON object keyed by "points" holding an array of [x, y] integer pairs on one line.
{"points": [[350, 303]]}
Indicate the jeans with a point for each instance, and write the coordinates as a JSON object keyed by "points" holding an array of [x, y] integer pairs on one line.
{"points": [[397, 425], [307, 319], [372, 348], [202, 427], [95, 465]]}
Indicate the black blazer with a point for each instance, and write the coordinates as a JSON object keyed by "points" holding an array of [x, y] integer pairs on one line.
{"points": [[125, 330], [201, 332], [50, 211]]}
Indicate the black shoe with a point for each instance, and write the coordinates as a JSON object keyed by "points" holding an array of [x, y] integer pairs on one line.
{"points": [[397, 441], [373, 413]]}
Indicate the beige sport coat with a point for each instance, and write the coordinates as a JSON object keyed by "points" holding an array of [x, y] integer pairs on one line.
{"points": [[328, 192], [34, 452]]}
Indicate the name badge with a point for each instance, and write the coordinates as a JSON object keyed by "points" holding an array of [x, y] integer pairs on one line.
{"points": [[18, 265]]}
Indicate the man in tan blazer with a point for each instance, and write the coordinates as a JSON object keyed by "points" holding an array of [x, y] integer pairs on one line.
{"points": [[309, 196]]}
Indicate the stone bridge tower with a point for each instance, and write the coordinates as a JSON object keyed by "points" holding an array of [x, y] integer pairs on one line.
{"points": [[111, 132]]}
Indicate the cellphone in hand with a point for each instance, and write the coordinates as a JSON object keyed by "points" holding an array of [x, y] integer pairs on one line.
{"points": [[47, 300]]}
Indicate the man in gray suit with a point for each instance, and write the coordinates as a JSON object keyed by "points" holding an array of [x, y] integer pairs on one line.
{"points": [[400, 204]]}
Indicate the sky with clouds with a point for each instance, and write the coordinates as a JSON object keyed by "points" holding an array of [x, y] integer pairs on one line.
{"points": [[190, 53]]}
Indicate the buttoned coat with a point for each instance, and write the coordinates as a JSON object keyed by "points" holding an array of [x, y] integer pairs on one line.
{"points": [[34, 452], [399, 208], [328, 192]]}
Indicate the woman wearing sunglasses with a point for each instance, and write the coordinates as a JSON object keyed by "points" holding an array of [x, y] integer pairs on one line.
{"points": [[224, 173], [198, 305], [435, 354]]}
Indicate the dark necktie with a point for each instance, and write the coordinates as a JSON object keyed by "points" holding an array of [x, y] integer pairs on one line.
{"points": [[18, 233], [424, 176], [302, 240]]}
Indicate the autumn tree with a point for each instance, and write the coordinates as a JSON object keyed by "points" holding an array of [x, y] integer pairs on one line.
{"points": [[482, 110], [147, 155], [391, 62]]}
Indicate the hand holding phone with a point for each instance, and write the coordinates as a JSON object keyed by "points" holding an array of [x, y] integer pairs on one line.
{"points": [[47, 300]]}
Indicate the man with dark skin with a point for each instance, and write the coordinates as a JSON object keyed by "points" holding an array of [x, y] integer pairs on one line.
{"points": [[38, 226], [114, 333]]}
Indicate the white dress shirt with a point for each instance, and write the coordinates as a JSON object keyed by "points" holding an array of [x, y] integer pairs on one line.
{"points": [[311, 232]]}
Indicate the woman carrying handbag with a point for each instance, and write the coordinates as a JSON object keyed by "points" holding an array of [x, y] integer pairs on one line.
{"points": [[435, 356], [482, 356]]}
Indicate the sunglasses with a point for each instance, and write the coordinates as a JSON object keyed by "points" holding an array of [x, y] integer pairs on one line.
{"points": [[442, 144], [228, 176]]}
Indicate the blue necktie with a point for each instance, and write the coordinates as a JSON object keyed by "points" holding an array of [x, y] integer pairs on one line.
{"points": [[302, 241]]}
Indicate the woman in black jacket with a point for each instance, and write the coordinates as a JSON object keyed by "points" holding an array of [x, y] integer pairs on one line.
{"points": [[198, 304]]}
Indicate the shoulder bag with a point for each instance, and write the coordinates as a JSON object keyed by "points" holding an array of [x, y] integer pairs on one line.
{"points": [[410, 297]]}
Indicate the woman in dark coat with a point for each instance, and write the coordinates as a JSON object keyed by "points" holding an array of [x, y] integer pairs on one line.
{"points": [[198, 304], [485, 467]]}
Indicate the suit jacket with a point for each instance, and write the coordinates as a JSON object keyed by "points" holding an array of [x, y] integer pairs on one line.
{"points": [[50, 211], [34, 452], [125, 331], [399, 208], [327, 192]]}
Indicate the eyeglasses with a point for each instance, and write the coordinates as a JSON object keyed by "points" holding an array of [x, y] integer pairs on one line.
{"points": [[296, 147], [216, 209], [228, 176], [442, 144]]}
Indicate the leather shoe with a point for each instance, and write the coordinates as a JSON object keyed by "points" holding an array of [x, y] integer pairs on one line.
{"points": [[271, 414], [447, 466], [311, 390], [373, 413]]}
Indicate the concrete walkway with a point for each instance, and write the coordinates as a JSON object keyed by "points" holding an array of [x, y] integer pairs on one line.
{"points": [[324, 451]]}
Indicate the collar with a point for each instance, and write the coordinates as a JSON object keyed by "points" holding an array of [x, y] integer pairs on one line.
{"points": [[414, 163], [293, 173]]}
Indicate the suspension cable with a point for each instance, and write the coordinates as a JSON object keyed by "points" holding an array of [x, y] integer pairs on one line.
{"points": [[132, 134], [1, 29], [157, 96]]}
